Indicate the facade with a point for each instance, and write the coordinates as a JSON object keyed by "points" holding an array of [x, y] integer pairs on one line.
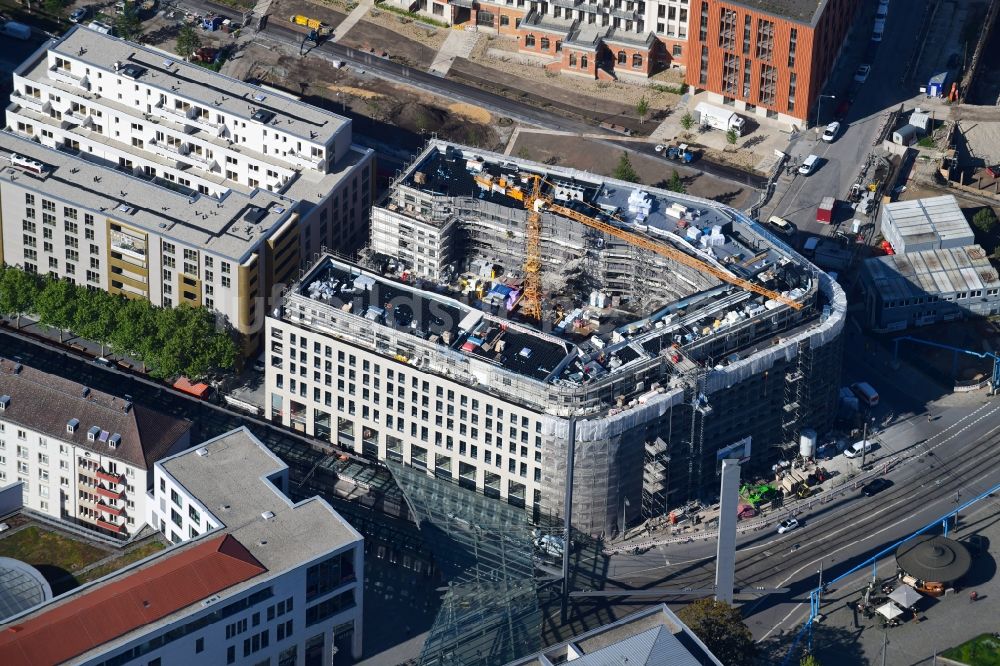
{"points": [[652, 636], [765, 57], [405, 364], [178, 160], [927, 287], [82, 456], [933, 223], [252, 579]]}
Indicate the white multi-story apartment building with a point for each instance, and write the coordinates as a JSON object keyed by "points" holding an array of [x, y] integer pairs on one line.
{"points": [[253, 578], [218, 168], [82, 456]]}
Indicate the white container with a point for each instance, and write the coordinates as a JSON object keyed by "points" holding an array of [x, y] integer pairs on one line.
{"points": [[807, 443]]}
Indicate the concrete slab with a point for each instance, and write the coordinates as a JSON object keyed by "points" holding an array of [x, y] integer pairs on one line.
{"points": [[458, 44], [352, 19]]}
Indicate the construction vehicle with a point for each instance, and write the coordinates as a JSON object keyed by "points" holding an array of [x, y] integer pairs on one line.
{"points": [[682, 153], [535, 201], [757, 495], [321, 28]]}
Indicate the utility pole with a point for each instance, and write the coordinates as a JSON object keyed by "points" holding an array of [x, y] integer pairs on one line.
{"points": [[864, 440], [885, 641], [819, 593]]}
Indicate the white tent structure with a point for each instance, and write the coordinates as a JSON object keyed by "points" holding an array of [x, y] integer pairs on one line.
{"points": [[889, 610], [905, 596]]}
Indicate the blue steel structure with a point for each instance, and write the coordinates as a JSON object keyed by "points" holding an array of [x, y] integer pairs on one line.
{"points": [[994, 379], [815, 595]]}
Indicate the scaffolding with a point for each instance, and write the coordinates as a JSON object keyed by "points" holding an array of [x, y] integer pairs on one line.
{"points": [[655, 482]]}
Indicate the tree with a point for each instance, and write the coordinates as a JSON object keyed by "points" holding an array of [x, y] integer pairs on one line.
{"points": [[676, 183], [642, 109], [127, 25], [721, 629], [53, 7], [18, 290], [97, 316], [188, 42], [135, 333], [809, 660], [56, 304], [687, 121], [985, 221], [624, 170], [731, 137]]}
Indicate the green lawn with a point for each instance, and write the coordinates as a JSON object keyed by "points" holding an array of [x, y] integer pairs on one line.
{"points": [[134, 555], [40, 547], [982, 650]]}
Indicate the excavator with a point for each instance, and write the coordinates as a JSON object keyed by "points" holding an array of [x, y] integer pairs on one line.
{"points": [[535, 201]]}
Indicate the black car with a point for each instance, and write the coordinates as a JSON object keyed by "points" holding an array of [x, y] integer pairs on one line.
{"points": [[876, 486]]}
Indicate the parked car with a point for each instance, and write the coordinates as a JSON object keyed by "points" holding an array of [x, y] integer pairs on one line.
{"points": [[994, 171], [876, 486], [831, 132], [862, 72], [781, 225], [787, 525], [878, 30], [78, 15]]}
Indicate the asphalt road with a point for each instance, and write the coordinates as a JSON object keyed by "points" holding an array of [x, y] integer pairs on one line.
{"points": [[883, 90], [952, 456]]}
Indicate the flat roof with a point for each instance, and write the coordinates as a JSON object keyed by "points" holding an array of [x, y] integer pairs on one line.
{"points": [[228, 475], [78, 623], [232, 226], [651, 636], [930, 272], [198, 84], [48, 404], [802, 11], [933, 219], [433, 317]]}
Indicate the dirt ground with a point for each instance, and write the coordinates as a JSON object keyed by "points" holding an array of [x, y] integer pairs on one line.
{"points": [[395, 118], [589, 155]]}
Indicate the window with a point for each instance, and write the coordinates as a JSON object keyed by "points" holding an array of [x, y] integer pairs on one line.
{"points": [[199, 645], [529, 41]]}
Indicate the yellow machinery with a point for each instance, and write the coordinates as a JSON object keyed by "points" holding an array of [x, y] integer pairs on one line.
{"points": [[535, 201], [311, 23]]}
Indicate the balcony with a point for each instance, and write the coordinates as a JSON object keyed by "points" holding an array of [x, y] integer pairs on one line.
{"points": [[112, 527], [110, 494], [110, 478], [304, 160], [36, 104], [113, 510], [66, 76], [178, 116]]}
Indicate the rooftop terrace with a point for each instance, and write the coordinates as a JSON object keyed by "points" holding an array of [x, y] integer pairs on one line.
{"points": [[198, 84]]}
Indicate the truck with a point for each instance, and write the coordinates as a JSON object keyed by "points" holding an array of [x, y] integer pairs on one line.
{"points": [[682, 152], [199, 390], [723, 119], [15, 30], [824, 213]]}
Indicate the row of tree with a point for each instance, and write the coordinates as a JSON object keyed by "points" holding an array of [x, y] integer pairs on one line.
{"points": [[167, 341]]}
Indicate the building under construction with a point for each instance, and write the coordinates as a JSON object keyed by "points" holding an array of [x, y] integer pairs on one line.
{"points": [[507, 308]]}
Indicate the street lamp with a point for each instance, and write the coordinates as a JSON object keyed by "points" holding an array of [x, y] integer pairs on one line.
{"points": [[819, 109]]}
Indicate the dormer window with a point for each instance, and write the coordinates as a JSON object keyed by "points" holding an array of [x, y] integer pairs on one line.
{"points": [[93, 433], [72, 425], [4, 401]]}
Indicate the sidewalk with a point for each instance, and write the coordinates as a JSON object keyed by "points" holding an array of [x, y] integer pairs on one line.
{"points": [[458, 44], [352, 19]]}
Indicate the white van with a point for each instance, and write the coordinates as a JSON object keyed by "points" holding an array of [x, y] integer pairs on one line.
{"points": [[781, 224], [865, 393], [854, 451], [809, 165]]}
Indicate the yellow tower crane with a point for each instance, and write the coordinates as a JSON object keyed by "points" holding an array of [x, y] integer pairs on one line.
{"points": [[535, 201]]}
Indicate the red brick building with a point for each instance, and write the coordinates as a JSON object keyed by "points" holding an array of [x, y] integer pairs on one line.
{"points": [[766, 57]]}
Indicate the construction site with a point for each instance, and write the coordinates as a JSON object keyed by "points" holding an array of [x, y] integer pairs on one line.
{"points": [[654, 333]]}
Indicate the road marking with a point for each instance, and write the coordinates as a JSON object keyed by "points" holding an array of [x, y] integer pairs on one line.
{"points": [[854, 543]]}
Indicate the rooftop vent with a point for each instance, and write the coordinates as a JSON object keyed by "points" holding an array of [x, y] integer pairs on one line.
{"points": [[72, 425], [115, 440], [132, 71], [4, 401], [254, 214], [27, 164], [84, 392], [262, 116], [267, 515], [92, 433], [17, 368], [202, 452]]}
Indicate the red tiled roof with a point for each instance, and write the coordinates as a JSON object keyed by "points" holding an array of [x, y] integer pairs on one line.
{"points": [[118, 607]]}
